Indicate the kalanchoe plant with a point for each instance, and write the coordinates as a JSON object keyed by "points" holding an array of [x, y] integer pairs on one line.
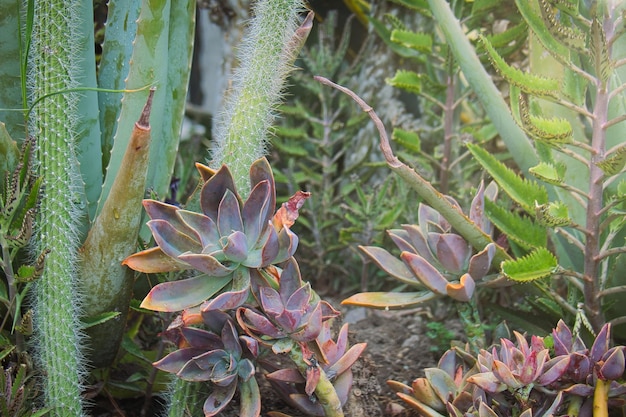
{"points": [[556, 375], [242, 252]]}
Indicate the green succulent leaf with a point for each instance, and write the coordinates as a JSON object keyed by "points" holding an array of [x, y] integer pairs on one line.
{"points": [[407, 80], [538, 264], [550, 173], [389, 300], [529, 83], [421, 42], [522, 191]]}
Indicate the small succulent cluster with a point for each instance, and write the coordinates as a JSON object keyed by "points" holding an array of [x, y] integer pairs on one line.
{"points": [[434, 259], [247, 295], [556, 375]]}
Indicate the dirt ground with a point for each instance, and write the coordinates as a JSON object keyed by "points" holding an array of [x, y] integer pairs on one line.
{"points": [[398, 348]]}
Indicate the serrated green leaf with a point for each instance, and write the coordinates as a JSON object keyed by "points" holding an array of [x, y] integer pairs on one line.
{"points": [[421, 42], [417, 5], [290, 132], [552, 130], [554, 214], [406, 80], [520, 229], [538, 264], [410, 140], [614, 163], [567, 35], [25, 273], [553, 174], [529, 83], [385, 35], [509, 40], [521, 190], [535, 22]]}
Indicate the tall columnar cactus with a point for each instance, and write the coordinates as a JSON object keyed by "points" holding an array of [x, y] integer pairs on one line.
{"points": [[53, 123], [266, 56]]}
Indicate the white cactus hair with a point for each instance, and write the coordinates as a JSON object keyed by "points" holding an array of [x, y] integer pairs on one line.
{"points": [[58, 336], [265, 59]]}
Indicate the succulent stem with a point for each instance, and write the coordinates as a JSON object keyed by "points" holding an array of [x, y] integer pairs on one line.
{"points": [[57, 304]]}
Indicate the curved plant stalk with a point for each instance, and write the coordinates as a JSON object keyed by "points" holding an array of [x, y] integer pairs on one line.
{"points": [[457, 219], [53, 123]]}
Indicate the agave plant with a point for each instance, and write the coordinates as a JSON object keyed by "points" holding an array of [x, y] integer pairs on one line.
{"points": [[220, 356], [224, 242], [433, 259]]}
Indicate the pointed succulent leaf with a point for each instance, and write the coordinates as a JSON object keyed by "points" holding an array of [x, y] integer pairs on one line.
{"points": [[487, 381], [196, 337], [262, 171], [205, 172], [213, 191], [236, 247], [562, 338], [256, 212], [178, 295], [206, 263], [157, 210], [204, 226], [502, 372], [254, 322], [485, 411], [245, 369], [228, 300], [390, 300], [424, 392], [154, 260], [477, 211], [402, 240], [390, 264], [430, 220], [422, 408], [538, 264], [299, 300], [612, 365], [290, 280], [229, 215], [480, 263], [172, 241], [271, 302], [419, 243], [347, 360], [311, 328], [250, 398], [463, 290], [176, 360], [425, 272], [451, 249], [230, 340], [442, 383], [290, 375], [288, 243], [601, 344], [554, 369], [218, 399], [270, 248]]}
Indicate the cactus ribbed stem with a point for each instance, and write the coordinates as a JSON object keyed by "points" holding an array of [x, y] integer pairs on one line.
{"points": [[265, 59], [57, 323]]}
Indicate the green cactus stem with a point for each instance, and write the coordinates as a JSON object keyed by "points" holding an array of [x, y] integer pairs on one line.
{"points": [[266, 57], [112, 238], [52, 122]]}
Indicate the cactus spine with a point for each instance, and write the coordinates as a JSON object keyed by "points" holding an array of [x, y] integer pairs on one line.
{"points": [[265, 59], [52, 123]]}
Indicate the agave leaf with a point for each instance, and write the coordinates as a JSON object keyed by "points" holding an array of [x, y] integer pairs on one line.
{"points": [[154, 260], [529, 83], [407, 80], [179, 295], [390, 300], [390, 264], [538, 264], [218, 399], [522, 191]]}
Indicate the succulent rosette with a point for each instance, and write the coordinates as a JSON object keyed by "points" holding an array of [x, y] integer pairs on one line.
{"points": [[433, 259], [219, 356], [224, 242]]}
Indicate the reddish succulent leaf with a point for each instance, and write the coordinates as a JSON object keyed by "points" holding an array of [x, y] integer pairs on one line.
{"points": [[214, 189], [152, 261], [554, 369], [452, 251], [290, 280], [288, 243], [613, 363], [312, 378], [229, 215], [256, 211], [425, 272], [172, 241], [255, 324], [389, 300], [390, 264], [218, 399], [205, 226], [347, 360], [206, 263], [601, 344], [481, 262], [271, 247], [312, 326], [424, 392], [179, 295], [201, 338], [299, 300], [157, 210], [230, 339], [423, 409], [462, 291], [175, 361], [229, 300], [236, 247], [343, 384], [302, 402], [289, 375], [270, 301], [487, 381], [430, 220], [418, 240], [205, 172], [399, 387]]}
